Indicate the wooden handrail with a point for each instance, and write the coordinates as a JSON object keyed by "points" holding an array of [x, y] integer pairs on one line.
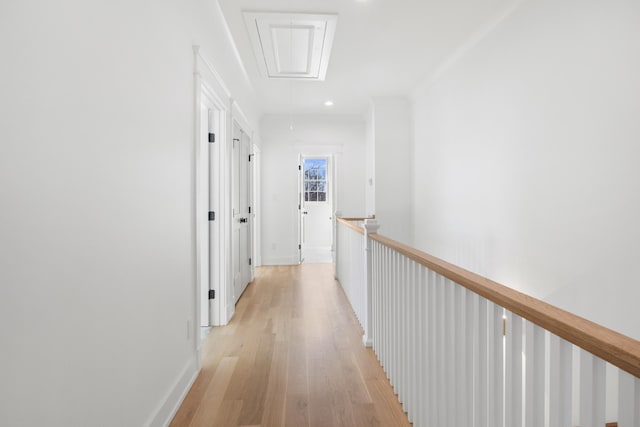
{"points": [[349, 223], [613, 347]]}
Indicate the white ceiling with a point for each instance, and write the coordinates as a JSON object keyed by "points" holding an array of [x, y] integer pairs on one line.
{"points": [[381, 47]]}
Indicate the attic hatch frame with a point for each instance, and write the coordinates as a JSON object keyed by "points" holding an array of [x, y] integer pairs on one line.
{"points": [[308, 37]]}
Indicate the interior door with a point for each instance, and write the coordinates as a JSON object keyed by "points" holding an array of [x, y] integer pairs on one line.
{"points": [[240, 211], [316, 211], [245, 235]]}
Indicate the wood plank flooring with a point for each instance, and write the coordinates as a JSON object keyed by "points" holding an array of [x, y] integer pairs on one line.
{"points": [[291, 356]]}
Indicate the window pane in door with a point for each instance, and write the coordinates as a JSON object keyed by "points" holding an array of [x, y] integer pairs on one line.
{"points": [[315, 180]]}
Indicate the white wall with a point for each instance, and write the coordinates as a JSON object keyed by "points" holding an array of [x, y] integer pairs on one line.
{"points": [[370, 167], [97, 263], [392, 157], [344, 135], [526, 158]]}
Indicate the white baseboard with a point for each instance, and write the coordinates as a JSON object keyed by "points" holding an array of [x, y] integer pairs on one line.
{"points": [[290, 260], [231, 310], [174, 398]]}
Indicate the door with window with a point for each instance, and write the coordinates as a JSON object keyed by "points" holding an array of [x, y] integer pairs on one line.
{"points": [[316, 209]]}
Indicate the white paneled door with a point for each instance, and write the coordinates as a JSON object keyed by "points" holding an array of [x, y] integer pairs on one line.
{"points": [[241, 244], [316, 235]]}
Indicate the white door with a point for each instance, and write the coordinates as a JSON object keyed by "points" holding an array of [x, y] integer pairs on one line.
{"points": [[240, 212], [245, 225], [316, 209]]}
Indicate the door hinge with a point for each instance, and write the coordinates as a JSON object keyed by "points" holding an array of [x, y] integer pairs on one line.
{"points": [[299, 246], [249, 261], [299, 167], [212, 294], [298, 206], [212, 216], [249, 209], [250, 157], [212, 137]]}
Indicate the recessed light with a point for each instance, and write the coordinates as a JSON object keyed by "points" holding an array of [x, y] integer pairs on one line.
{"points": [[328, 103]]}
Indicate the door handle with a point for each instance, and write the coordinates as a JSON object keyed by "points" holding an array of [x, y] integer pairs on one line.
{"points": [[243, 220], [304, 212]]}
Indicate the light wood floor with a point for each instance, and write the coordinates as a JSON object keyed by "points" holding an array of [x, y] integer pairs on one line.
{"points": [[292, 355]]}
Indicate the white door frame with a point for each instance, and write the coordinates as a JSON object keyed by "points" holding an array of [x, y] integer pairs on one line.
{"points": [[209, 198]]}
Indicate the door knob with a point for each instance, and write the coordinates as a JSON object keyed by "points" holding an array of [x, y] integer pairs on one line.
{"points": [[304, 212]]}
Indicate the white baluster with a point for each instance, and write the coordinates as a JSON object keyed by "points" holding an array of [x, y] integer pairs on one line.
{"points": [[404, 329], [461, 354], [395, 321], [432, 349], [375, 312], [481, 372], [513, 392], [592, 390], [449, 359], [413, 339], [388, 310], [385, 308], [471, 353], [535, 351], [627, 397], [495, 415], [422, 341], [628, 400], [441, 350], [560, 395]]}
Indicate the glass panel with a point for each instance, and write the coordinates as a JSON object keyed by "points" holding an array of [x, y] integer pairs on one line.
{"points": [[315, 180], [315, 168]]}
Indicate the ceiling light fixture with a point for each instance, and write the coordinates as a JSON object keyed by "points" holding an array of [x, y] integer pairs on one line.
{"points": [[328, 103]]}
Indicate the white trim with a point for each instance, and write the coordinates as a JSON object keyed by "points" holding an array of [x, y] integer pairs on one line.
{"points": [[165, 412], [232, 42], [230, 311], [240, 118], [209, 67]]}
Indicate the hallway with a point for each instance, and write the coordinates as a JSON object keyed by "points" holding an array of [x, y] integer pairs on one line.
{"points": [[292, 355]]}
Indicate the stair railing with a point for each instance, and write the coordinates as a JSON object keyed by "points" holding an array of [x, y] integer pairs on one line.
{"points": [[461, 350]]}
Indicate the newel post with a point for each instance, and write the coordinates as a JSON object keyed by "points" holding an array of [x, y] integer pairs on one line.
{"points": [[371, 226]]}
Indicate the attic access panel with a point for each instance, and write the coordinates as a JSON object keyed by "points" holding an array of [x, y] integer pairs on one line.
{"points": [[291, 45]]}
